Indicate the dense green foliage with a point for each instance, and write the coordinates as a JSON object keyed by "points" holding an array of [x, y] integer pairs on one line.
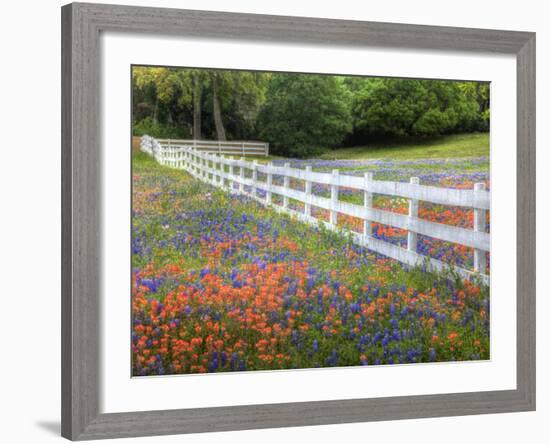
{"points": [[301, 114], [304, 114], [150, 126], [395, 107]]}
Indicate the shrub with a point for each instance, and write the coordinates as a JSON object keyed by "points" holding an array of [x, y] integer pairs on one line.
{"points": [[159, 130]]}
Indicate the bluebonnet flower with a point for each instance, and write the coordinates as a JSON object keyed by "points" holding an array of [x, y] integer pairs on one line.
{"points": [[315, 345]]}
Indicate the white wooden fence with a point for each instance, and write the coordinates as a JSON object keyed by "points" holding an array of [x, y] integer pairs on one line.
{"points": [[232, 147], [229, 173]]}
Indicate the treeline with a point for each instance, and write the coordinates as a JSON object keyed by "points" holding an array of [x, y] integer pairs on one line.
{"points": [[301, 114]]}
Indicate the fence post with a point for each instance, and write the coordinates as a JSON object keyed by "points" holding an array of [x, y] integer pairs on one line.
{"points": [[412, 237], [269, 184], [219, 147], [480, 260], [286, 185], [198, 156], [221, 169], [198, 165], [242, 148], [367, 224], [172, 156], [225, 180], [215, 175], [241, 171], [307, 205], [221, 180], [230, 171], [334, 198], [215, 167], [254, 178], [212, 159]]}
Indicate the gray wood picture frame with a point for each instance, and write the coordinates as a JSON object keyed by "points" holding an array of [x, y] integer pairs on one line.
{"points": [[81, 231]]}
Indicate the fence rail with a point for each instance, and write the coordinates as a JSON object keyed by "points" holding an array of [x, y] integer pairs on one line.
{"points": [[229, 173], [233, 147]]}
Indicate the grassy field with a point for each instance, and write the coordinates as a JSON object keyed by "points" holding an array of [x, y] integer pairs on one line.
{"points": [[443, 147], [453, 146]]}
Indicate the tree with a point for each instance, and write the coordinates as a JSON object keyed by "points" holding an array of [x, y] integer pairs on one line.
{"points": [[144, 93], [236, 98], [480, 93], [304, 114], [216, 108], [403, 107], [197, 103], [161, 102], [301, 114]]}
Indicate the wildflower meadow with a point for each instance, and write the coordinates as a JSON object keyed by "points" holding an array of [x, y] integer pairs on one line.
{"points": [[221, 283]]}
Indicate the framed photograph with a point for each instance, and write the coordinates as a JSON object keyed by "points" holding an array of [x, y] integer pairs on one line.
{"points": [[277, 221]]}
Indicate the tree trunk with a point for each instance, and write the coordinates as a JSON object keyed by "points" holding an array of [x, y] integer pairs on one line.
{"points": [[156, 110], [220, 130], [197, 112]]}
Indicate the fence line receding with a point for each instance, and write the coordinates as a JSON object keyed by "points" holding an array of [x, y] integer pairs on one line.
{"points": [[231, 147], [229, 173]]}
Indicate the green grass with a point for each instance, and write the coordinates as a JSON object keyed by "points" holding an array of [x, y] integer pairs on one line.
{"points": [[442, 147], [453, 146]]}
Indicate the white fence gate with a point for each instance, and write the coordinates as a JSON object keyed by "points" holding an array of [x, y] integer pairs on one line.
{"points": [[228, 173]]}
